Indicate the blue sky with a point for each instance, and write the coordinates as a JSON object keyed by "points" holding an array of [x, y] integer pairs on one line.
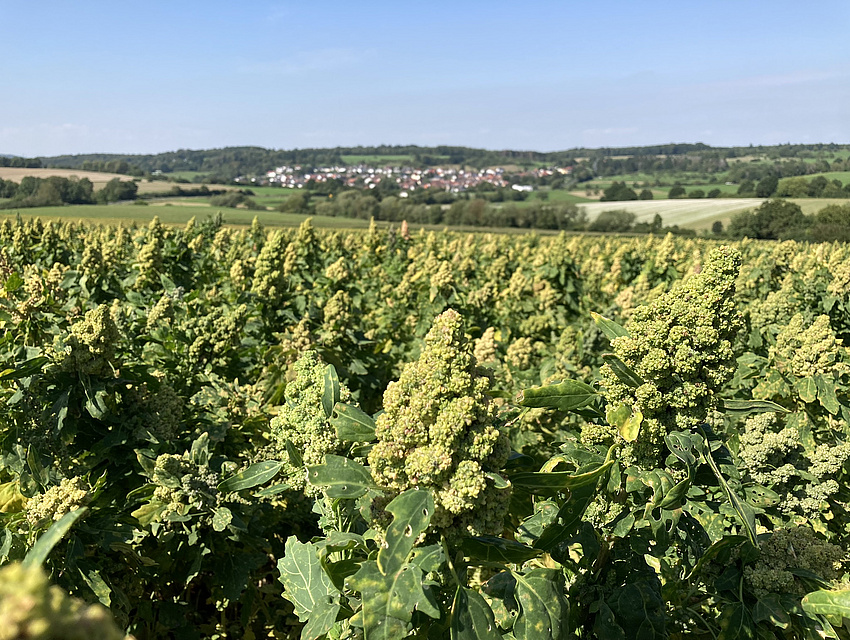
{"points": [[157, 76]]}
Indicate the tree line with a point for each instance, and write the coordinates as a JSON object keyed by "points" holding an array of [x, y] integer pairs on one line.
{"points": [[57, 191]]}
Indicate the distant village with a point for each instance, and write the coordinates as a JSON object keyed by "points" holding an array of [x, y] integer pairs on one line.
{"points": [[408, 179]]}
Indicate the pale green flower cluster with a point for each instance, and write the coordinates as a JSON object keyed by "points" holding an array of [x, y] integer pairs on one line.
{"points": [[680, 345], [336, 312], [788, 549], [216, 332], [269, 280], [90, 349], [162, 312], [183, 485], [302, 422], [809, 349], [47, 507], [773, 455], [32, 609], [156, 414], [437, 431]]}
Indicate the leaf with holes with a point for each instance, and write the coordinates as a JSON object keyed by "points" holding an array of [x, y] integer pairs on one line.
{"points": [[352, 424], [828, 603], [308, 588], [412, 511], [341, 477], [544, 608], [472, 617]]}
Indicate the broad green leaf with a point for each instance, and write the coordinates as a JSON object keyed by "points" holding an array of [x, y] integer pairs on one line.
{"points": [[569, 518], [610, 328], [150, 512], [352, 424], [605, 625], [97, 584], [11, 498], [412, 511], [273, 490], [200, 450], [807, 388], [42, 548], [25, 369], [826, 394], [639, 609], [623, 372], [744, 407], [724, 545], [549, 483], [760, 496], [341, 477], [308, 588], [564, 396], [472, 617], [544, 607], [390, 600], [428, 558], [221, 519], [493, 549], [735, 623], [626, 420], [330, 395], [828, 603], [685, 446], [293, 453], [257, 474], [769, 608], [746, 513]]}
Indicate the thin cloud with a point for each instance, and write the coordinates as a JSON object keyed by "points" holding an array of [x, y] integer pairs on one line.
{"points": [[315, 61]]}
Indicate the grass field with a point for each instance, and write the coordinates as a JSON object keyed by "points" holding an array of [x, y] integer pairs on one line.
{"points": [[99, 179], [699, 213]]}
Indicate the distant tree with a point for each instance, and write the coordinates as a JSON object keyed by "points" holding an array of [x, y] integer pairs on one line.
{"points": [[696, 193], [817, 186], [773, 220], [714, 193], [796, 187], [117, 189], [646, 194], [657, 224], [766, 187], [747, 188], [832, 224], [678, 191], [618, 191], [617, 221], [717, 228]]}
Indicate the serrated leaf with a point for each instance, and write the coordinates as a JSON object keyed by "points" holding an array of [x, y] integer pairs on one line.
{"points": [[257, 474], [493, 549], [390, 600], [308, 588], [826, 394], [610, 328], [472, 617], [735, 623], [412, 511], [807, 389], [564, 396], [352, 424], [623, 372], [744, 407], [828, 603], [42, 548], [341, 477], [330, 395], [544, 609]]}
